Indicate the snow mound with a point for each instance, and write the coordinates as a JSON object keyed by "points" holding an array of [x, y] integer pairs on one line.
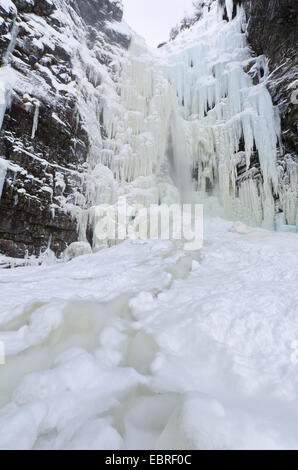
{"points": [[77, 249]]}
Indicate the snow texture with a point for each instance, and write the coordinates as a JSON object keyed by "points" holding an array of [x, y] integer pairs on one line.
{"points": [[145, 346], [8, 6]]}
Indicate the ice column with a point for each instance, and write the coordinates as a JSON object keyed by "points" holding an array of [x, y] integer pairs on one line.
{"points": [[229, 7], [3, 100], [3, 170], [35, 119]]}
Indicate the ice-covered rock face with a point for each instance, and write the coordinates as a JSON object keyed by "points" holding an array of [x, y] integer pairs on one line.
{"points": [[94, 11], [272, 31], [46, 135]]}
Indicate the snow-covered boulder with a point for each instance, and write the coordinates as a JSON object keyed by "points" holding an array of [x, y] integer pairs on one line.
{"points": [[77, 249]]}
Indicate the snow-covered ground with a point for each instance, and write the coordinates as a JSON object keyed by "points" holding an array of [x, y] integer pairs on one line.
{"points": [[146, 346]]}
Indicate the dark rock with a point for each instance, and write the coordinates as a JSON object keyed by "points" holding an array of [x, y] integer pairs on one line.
{"points": [[12, 249], [25, 6], [98, 11], [43, 7], [62, 53]]}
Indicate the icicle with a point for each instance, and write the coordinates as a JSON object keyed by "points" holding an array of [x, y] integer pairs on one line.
{"points": [[229, 7], [3, 102], [12, 43], [35, 119], [288, 192], [3, 171]]}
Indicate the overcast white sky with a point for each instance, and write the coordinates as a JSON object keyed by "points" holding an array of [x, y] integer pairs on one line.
{"points": [[153, 19]]}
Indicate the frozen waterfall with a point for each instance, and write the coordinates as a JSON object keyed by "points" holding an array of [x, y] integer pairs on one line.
{"points": [[190, 120], [229, 120]]}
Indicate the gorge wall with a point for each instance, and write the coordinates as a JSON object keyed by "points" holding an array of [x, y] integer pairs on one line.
{"points": [[49, 50]]}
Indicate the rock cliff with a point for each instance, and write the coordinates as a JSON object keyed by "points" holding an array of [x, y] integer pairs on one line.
{"points": [[44, 146]]}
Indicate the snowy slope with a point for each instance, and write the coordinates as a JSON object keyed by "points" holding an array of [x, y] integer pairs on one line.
{"points": [[202, 340]]}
